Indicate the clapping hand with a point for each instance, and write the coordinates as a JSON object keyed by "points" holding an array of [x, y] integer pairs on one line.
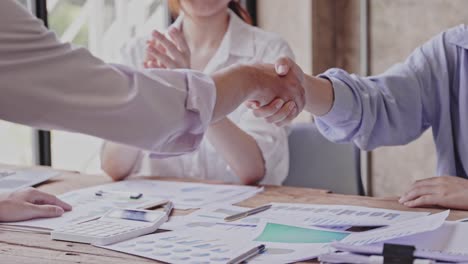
{"points": [[167, 53]]}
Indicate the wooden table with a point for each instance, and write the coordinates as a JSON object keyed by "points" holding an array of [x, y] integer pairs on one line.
{"points": [[16, 247]]}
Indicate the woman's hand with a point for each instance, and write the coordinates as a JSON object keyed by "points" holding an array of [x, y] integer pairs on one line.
{"points": [[165, 53], [29, 204], [446, 191]]}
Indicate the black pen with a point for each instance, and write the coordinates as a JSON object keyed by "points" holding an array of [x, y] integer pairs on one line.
{"points": [[248, 255]]}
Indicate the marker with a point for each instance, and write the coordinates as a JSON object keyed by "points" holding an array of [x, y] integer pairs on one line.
{"points": [[247, 213], [248, 255], [130, 195]]}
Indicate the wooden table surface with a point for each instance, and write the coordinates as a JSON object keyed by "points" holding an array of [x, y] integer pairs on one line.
{"points": [[17, 247]]}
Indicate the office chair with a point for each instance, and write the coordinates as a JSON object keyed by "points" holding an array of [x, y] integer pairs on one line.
{"points": [[317, 163]]}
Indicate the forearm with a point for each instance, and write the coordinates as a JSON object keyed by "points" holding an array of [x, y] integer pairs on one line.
{"points": [[118, 160], [319, 95], [233, 86], [238, 149]]}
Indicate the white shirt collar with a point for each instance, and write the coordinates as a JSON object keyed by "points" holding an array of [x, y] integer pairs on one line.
{"points": [[238, 40]]}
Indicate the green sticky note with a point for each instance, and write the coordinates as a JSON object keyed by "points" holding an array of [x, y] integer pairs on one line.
{"points": [[292, 234]]}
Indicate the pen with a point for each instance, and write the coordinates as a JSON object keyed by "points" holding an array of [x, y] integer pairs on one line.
{"points": [[130, 195], [247, 213], [248, 255]]}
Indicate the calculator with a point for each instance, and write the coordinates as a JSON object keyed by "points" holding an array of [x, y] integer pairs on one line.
{"points": [[115, 226]]}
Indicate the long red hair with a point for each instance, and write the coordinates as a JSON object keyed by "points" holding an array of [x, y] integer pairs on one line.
{"points": [[234, 5]]}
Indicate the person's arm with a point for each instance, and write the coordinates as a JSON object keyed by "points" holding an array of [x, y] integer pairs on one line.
{"points": [[393, 108], [51, 85], [238, 149], [29, 204], [253, 149], [119, 161]]}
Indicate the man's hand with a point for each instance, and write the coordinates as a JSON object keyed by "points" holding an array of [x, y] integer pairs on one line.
{"points": [[30, 203], [446, 191]]}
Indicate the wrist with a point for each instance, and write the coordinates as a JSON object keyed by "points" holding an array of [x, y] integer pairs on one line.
{"points": [[247, 74], [319, 95]]}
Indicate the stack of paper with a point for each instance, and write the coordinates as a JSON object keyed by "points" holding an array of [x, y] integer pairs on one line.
{"points": [[398, 230], [15, 179], [433, 238], [446, 243]]}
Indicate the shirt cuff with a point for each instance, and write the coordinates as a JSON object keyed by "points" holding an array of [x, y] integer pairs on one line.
{"points": [[343, 102], [199, 106], [201, 99]]}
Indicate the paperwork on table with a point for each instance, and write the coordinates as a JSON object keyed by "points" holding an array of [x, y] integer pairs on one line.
{"points": [[330, 216], [87, 205], [15, 179], [284, 242], [446, 243]]}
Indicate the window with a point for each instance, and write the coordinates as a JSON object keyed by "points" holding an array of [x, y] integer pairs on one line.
{"points": [[102, 26]]}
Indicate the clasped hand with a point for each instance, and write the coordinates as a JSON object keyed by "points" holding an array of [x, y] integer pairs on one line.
{"points": [[281, 95], [278, 94]]}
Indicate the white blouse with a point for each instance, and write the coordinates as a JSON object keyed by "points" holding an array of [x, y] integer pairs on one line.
{"points": [[241, 43]]}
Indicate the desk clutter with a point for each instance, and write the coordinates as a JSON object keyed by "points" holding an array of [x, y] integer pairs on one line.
{"points": [[219, 232]]}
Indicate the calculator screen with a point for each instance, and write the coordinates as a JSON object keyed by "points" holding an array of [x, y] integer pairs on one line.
{"points": [[134, 215]]}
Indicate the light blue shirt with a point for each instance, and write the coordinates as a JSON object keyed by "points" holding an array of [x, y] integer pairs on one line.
{"points": [[428, 90]]}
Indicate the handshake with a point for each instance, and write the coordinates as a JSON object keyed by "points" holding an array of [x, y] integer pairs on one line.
{"points": [[277, 92]]}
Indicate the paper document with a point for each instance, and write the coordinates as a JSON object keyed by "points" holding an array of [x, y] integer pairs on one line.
{"points": [[16, 179], [349, 258], [186, 195], [447, 243], [342, 215], [284, 244], [339, 217], [292, 243], [186, 246], [86, 206], [398, 230]]}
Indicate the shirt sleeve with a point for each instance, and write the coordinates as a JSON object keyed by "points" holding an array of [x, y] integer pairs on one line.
{"points": [[393, 108], [51, 85]]}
